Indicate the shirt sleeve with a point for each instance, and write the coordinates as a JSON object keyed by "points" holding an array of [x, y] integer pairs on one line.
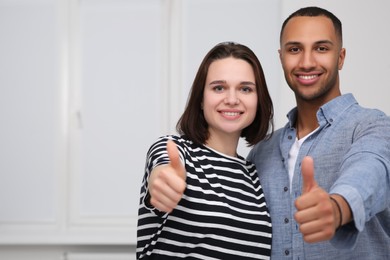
{"points": [[157, 155], [365, 177]]}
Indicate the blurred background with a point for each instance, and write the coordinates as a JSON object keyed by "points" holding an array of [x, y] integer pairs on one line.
{"points": [[86, 86]]}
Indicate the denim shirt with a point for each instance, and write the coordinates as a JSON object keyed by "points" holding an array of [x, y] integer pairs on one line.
{"points": [[351, 152]]}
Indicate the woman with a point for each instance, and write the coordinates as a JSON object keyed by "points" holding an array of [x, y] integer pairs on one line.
{"points": [[199, 198]]}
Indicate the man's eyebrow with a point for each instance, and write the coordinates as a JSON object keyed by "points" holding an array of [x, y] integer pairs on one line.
{"points": [[317, 42], [325, 42], [292, 43]]}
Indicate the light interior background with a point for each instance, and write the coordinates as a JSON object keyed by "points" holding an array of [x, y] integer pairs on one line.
{"points": [[87, 86]]}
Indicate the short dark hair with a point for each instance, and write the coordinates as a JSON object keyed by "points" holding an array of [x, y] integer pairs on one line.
{"points": [[192, 122], [313, 11]]}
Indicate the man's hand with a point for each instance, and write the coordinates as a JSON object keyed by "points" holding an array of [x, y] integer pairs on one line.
{"points": [[316, 214], [168, 182]]}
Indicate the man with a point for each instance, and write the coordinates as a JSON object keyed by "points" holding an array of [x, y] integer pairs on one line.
{"points": [[334, 204]]}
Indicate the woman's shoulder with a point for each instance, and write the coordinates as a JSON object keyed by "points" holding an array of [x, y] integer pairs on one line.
{"points": [[178, 139], [181, 141]]}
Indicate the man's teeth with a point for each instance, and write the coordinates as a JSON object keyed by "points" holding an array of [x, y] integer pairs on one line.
{"points": [[231, 113], [308, 76]]}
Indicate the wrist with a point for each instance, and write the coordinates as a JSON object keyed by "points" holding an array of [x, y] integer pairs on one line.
{"points": [[338, 212]]}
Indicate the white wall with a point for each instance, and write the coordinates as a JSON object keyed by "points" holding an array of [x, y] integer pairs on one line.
{"points": [[86, 86]]}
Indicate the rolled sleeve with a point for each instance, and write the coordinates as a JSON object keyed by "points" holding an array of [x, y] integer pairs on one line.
{"points": [[356, 204]]}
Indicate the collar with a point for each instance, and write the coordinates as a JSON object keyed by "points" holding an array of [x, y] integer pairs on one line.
{"points": [[328, 112]]}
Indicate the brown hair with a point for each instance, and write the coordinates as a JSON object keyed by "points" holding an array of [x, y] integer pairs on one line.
{"points": [[192, 122]]}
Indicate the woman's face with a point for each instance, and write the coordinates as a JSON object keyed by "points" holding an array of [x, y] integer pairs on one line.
{"points": [[230, 97]]}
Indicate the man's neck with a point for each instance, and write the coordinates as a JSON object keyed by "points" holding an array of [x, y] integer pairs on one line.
{"points": [[306, 121]]}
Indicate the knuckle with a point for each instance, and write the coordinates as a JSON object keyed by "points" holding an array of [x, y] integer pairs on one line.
{"points": [[324, 196], [297, 217], [328, 233]]}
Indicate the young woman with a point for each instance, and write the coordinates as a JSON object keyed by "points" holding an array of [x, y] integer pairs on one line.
{"points": [[199, 198]]}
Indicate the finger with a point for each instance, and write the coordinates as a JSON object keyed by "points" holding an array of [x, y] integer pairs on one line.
{"points": [[309, 183], [315, 225], [173, 153], [161, 206], [315, 231], [163, 196], [318, 237], [309, 220], [163, 203]]}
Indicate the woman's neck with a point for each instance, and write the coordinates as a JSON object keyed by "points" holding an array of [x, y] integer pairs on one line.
{"points": [[226, 144]]}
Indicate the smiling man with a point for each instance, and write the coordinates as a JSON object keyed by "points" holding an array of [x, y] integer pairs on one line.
{"points": [[326, 174]]}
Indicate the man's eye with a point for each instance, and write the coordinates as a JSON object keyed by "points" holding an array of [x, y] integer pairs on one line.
{"points": [[322, 48], [294, 49]]}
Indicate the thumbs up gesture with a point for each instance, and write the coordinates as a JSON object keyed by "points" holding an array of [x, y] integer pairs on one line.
{"points": [[315, 213], [168, 182], [308, 181]]}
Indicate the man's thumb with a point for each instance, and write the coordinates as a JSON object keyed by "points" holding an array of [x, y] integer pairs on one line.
{"points": [[307, 168], [174, 158]]}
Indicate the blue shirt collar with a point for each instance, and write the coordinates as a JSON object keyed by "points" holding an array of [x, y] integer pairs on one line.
{"points": [[327, 112]]}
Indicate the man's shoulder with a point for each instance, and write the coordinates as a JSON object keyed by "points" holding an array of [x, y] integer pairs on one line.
{"points": [[270, 142], [359, 113]]}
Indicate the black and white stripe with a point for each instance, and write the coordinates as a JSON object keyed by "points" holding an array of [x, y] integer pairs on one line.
{"points": [[222, 214]]}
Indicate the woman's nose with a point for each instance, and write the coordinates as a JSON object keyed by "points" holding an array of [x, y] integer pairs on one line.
{"points": [[232, 98]]}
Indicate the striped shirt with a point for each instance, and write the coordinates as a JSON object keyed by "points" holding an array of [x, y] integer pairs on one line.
{"points": [[222, 213]]}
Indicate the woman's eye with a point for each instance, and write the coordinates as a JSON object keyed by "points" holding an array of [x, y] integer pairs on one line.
{"points": [[218, 88], [246, 89]]}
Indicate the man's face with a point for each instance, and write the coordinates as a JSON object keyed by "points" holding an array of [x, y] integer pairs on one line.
{"points": [[311, 55]]}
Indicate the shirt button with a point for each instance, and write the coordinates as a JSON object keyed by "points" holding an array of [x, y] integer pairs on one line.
{"points": [[285, 188], [286, 252], [286, 220], [289, 137]]}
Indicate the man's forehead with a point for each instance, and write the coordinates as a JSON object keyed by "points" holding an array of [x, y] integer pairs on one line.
{"points": [[309, 29]]}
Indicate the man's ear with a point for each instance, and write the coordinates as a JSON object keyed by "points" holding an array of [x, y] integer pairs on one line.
{"points": [[280, 54], [342, 54]]}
